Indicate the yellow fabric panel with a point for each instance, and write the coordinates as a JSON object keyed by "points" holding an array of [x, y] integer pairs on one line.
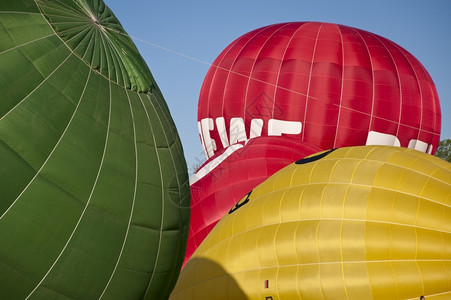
{"points": [[356, 280], [368, 222]]}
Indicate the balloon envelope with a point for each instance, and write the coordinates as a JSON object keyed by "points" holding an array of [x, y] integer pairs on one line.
{"points": [[368, 222], [229, 175], [328, 85], [93, 181]]}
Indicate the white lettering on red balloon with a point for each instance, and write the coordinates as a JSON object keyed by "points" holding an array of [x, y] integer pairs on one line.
{"points": [[275, 127]]}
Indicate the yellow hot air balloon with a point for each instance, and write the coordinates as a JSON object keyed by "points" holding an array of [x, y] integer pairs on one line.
{"points": [[368, 222]]}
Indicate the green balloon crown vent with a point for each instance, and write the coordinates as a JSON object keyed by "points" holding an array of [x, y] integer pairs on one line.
{"points": [[92, 32]]}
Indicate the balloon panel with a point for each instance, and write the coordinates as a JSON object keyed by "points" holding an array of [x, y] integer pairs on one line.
{"points": [[93, 178], [329, 85], [369, 222]]}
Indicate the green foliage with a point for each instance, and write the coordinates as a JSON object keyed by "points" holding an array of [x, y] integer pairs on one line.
{"points": [[444, 150]]}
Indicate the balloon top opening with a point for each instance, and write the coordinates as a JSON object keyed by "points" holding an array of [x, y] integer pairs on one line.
{"points": [[102, 52], [95, 20]]}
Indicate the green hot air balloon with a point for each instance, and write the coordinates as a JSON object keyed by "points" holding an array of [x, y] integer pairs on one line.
{"points": [[93, 182]]}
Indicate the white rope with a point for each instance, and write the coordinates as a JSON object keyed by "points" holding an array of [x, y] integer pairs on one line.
{"points": [[256, 79]]}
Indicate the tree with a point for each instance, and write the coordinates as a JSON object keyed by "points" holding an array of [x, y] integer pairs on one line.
{"points": [[444, 150]]}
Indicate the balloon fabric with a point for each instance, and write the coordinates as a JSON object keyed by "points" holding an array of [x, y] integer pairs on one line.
{"points": [[94, 187]]}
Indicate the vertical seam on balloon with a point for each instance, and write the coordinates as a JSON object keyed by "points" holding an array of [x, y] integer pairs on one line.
{"points": [[298, 271], [132, 210], [435, 103], [416, 233], [390, 247], [177, 148], [259, 229], [280, 67], [173, 164], [102, 40], [276, 283], [162, 192], [226, 261], [416, 246], [119, 59], [94, 46], [341, 225], [420, 195], [274, 241], [309, 82], [420, 129], [250, 77], [86, 205], [436, 107], [365, 235], [399, 83], [108, 52], [169, 148], [443, 241], [319, 258], [341, 91], [102, 53], [416, 260], [294, 233], [257, 248], [230, 71], [89, 45], [175, 135], [37, 173], [37, 87], [318, 233], [372, 77], [217, 67], [443, 254]]}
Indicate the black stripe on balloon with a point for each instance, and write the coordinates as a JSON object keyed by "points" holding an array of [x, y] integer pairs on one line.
{"points": [[310, 159], [240, 203]]}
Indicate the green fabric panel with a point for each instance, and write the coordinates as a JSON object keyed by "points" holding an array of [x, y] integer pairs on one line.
{"points": [[22, 6], [94, 184]]}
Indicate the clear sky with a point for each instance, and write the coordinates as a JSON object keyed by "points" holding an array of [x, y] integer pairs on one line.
{"points": [[186, 36]]}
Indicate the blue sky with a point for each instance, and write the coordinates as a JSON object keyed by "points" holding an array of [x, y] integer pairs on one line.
{"points": [[183, 37]]}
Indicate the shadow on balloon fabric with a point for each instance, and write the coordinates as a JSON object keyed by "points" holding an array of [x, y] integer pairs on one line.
{"points": [[210, 281]]}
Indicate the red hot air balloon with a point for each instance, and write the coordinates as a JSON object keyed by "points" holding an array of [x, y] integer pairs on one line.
{"points": [[232, 173], [326, 84]]}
